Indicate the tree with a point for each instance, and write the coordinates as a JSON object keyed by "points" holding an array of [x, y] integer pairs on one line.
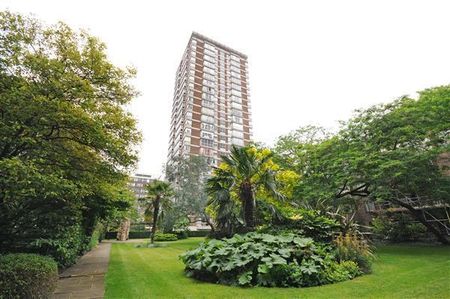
{"points": [[66, 143], [189, 177], [290, 150], [241, 175], [305, 151], [399, 145], [158, 200], [387, 153]]}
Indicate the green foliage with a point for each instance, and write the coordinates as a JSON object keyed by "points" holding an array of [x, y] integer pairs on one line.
{"points": [[135, 235], [290, 149], [342, 271], [385, 153], [265, 260], [189, 176], [199, 233], [25, 275], [174, 221], [165, 237], [158, 202], [132, 235], [182, 235], [309, 223], [351, 247], [246, 176], [66, 142], [64, 247], [97, 236], [398, 228]]}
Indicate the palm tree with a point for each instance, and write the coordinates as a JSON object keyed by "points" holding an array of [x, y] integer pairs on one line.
{"points": [[226, 211], [241, 174], [158, 198]]}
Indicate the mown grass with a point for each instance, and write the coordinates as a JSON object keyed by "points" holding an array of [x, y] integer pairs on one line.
{"points": [[402, 271]]}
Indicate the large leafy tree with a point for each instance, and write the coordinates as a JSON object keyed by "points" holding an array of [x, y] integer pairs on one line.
{"points": [[158, 201], [65, 139], [189, 177], [398, 146], [387, 153], [291, 150], [244, 174]]}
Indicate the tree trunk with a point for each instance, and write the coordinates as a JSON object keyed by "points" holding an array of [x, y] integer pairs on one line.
{"points": [[124, 230], [155, 219], [248, 205], [208, 221], [419, 216]]}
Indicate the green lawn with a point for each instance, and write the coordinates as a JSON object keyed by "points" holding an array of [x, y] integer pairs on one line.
{"points": [[399, 272]]}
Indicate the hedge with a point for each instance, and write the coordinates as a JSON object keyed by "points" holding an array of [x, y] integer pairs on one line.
{"points": [[199, 233], [96, 237], [132, 235], [27, 275], [146, 234], [165, 237], [65, 247]]}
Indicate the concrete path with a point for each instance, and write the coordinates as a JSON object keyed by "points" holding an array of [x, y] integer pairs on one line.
{"points": [[85, 279]]}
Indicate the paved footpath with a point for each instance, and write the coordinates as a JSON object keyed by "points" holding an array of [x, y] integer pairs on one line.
{"points": [[85, 279]]}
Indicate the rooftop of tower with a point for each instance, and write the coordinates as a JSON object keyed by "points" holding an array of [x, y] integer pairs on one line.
{"points": [[200, 36]]}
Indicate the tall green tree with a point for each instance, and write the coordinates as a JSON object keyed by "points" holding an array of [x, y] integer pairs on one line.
{"points": [[398, 145], [387, 153], [189, 176], [158, 201], [241, 175], [66, 141]]}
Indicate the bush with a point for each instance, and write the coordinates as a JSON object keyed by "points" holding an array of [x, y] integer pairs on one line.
{"points": [[111, 235], [345, 270], [256, 259], [137, 235], [309, 223], [398, 228], [26, 275], [199, 233], [350, 247], [96, 237], [131, 235], [165, 237], [182, 235], [45, 226], [65, 247]]}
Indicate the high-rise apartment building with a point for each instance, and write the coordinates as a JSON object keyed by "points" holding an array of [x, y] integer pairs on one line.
{"points": [[137, 186], [211, 103]]}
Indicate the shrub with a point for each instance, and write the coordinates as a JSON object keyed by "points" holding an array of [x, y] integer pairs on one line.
{"points": [[26, 275], [182, 235], [65, 247], [199, 233], [165, 237], [137, 235], [351, 247], [96, 237], [45, 226], [398, 228], [342, 271], [309, 223], [256, 259]]}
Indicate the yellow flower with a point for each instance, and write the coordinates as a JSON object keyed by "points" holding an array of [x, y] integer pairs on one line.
{"points": [[265, 152], [296, 217], [224, 166], [252, 150]]}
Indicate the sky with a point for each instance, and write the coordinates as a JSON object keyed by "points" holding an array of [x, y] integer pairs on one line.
{"points": [[310, 62]]}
